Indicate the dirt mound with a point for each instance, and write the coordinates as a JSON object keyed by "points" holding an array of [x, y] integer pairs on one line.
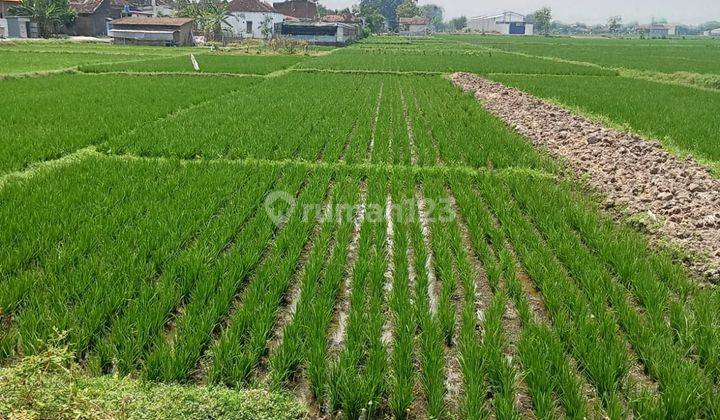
{"points": [[633, 173]]}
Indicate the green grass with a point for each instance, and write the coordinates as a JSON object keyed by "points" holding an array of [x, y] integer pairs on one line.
{"points": [[52, 385], [208, 63], [680, 117]]}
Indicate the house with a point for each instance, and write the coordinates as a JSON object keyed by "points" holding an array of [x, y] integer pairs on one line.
{"points": [[320, 33], [250, 18], [712, 32], [92, 17], [305, 10], [152, 31], [415, 26], [655, 30], [506, 23]]}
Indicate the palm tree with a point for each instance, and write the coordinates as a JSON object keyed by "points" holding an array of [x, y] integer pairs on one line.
{"points": [[213, 17], [209, 17], [49, 14]]}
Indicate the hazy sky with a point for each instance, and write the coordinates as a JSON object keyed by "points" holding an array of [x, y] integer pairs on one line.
{"points": [[596, 11]]}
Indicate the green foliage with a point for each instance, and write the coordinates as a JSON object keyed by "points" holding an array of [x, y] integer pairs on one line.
{"points": [[434, 14], [543, 19], [50, 15], [407, 9], [374, 20], [458, 23], [52, 385]]}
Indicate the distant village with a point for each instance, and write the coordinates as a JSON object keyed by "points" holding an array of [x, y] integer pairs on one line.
{"points": [[184, 22], [158, 22]]}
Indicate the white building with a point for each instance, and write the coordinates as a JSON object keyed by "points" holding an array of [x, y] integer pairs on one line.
{"points": [[415, 26], [248, 18], [713, 32], [506, 23]]}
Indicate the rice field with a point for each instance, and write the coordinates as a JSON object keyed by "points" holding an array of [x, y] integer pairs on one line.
{"points": [[347, 229]]}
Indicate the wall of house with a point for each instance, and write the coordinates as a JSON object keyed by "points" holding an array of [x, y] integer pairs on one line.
{"points": [[413, 30], [301, 9], [238, 23], [181, 35], [94, 24]]}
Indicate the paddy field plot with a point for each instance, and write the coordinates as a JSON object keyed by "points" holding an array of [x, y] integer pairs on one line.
{"points": [[208, 63], [372, 244]]}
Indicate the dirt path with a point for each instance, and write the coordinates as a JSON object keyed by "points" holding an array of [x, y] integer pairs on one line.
{"points": [[677, 198]]}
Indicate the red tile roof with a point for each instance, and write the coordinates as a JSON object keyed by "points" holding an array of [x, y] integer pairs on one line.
{"points": [[150, 21], [87, 7], [251, 6], [413, 21]]}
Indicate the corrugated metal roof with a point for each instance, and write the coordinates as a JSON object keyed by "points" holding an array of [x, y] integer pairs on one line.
{"points": [[149, 21]]}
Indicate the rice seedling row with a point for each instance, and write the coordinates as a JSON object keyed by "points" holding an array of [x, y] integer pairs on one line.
{"points": [[357, 376]]}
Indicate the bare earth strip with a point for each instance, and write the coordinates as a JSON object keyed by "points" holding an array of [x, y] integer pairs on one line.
{"points": [[635, 174]]}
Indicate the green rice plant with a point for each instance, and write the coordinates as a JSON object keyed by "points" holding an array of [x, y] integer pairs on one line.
{"points": [[606, 365], [473, 137], [175, 356], [482, 62], [431, 352], [132, 333], [318, 290], [16, 61], [402, 382], [335, 102], [208, 63], [321, 314], [47, 117], [357, 377], [646, 107], [546, 369], [244, 340], [648, 331], [649, 55], [90, 279]]}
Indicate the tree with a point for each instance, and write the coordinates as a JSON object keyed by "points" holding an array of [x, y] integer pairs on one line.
{"points": [[458, 23], [543, 19], [614, 23], [407, 9], [374, 20], [49, 14], [387, 8], [434, 14], [210, 17]]}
